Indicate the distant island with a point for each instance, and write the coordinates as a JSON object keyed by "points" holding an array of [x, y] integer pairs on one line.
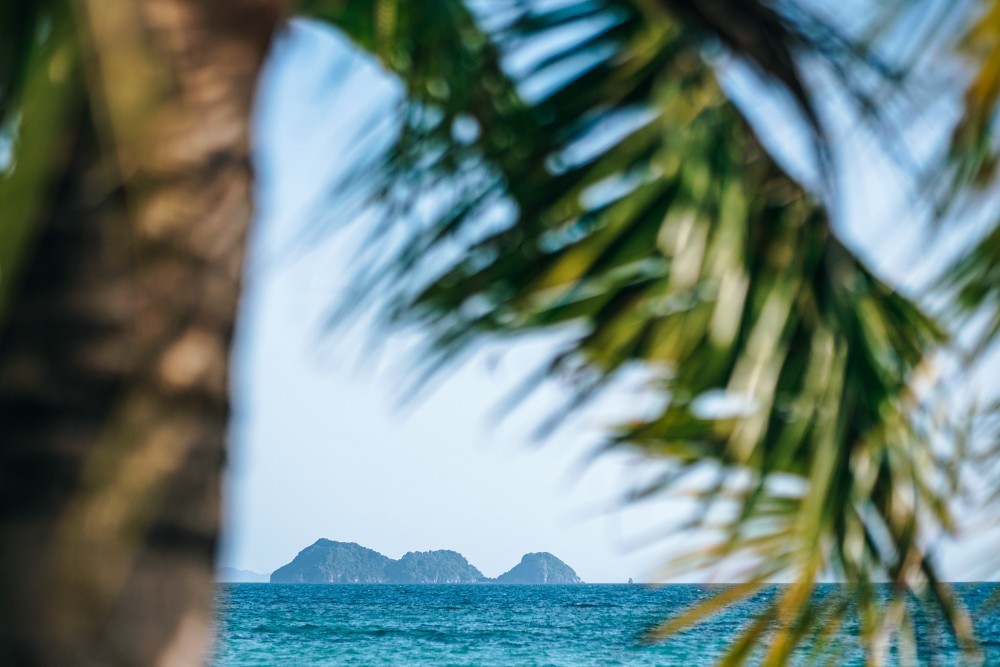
{"points": [[230, 575], [329, 562], [541, 568]]}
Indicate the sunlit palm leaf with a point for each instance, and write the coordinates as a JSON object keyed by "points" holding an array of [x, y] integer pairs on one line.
{"points": [[38, 83], [973, 149], [642, 213]]}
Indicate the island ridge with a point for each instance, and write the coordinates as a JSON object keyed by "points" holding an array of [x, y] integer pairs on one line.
{"points": [[330, 562]]}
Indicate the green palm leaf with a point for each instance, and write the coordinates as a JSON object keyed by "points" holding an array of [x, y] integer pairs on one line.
{"points": [[38, 84], [643, 216]]}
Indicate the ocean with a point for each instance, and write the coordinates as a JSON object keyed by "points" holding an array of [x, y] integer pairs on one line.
{"points": [[572, 625]]}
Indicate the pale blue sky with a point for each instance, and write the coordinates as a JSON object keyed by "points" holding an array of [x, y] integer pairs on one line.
{"points": [[322, 446]]}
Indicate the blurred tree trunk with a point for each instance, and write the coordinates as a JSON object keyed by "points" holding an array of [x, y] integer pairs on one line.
{"points": [[114, 351]]}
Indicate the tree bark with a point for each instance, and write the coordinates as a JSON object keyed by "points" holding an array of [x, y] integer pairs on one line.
{"points": [[114, 353]]}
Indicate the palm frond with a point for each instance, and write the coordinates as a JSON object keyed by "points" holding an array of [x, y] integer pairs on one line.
{"points": [[609, 188], [972, 151], [967, 186], [38, 83], [968, 181], [20, 21]]}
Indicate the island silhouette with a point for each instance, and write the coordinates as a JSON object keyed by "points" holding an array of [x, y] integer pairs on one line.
{"points": [[331, 562]]}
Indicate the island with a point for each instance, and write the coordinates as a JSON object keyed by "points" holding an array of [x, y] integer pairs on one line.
{"points": [[540, 568], [330, 562], [231, 575]]}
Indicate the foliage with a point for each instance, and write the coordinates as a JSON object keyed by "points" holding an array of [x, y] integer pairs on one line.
{"points": [[971, 174], [644, 215], [38, 83]]}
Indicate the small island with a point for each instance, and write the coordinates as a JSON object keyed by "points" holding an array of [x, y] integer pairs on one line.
{"points": [[330, 562], [231, 575], [540, 568]]}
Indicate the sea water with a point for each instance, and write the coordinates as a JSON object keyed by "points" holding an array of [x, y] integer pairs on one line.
{"points": [[573, 625]]}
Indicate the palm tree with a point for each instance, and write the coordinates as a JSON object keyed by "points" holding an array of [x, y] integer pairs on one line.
{"points": [[125, 204], [642, 213]]}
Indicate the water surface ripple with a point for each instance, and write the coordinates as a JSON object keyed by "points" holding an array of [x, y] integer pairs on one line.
{"points": [[574, 625]]}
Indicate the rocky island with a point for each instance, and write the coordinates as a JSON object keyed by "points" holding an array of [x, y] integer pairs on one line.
{"points": [[540, 568], [330, 562]]}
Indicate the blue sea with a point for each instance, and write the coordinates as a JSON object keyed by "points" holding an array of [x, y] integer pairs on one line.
{"points": [[576, 625]]}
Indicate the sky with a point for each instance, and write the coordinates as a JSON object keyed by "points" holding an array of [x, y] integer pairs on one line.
{"points": [[323, 446]]}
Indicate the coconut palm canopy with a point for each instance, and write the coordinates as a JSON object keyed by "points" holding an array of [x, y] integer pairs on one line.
{"points": [[590, 173]]}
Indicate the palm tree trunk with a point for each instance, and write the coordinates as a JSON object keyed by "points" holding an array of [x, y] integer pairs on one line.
{"points": [[114, 352]]}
